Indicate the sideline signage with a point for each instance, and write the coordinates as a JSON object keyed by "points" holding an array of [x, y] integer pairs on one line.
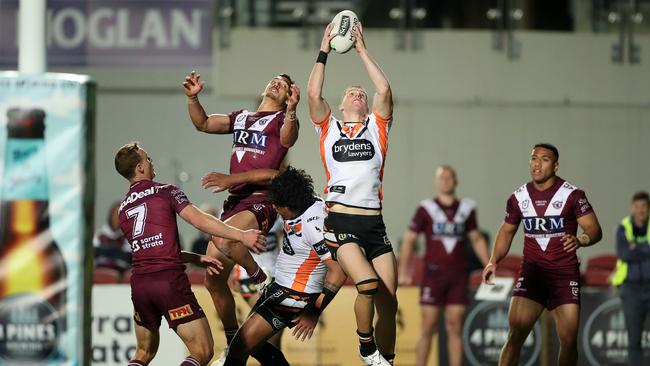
{"points": [[117, 33]]}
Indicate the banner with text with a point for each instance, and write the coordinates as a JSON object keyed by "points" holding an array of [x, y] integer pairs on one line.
{"points": [[117, 33]]}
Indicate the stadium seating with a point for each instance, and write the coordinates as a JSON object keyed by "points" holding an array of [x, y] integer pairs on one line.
{"points": [[599, 270], [105, 276]]}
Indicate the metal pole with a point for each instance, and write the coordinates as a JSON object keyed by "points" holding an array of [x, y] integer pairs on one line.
{"points": [[32, 58]]}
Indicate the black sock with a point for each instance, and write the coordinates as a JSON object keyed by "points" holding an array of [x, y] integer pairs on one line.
{"points": [[230, 334], [390, 358], [367, 344], [268, 354], [230, 361]]}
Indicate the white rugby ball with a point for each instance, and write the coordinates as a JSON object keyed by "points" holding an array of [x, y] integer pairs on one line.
{"points": [[343, 23]]}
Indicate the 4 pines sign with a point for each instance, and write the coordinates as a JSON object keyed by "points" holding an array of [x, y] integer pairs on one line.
{"points": [[604, 337], [485, 332]]}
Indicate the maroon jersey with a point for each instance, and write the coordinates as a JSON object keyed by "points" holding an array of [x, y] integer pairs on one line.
{"points": [[547, 216], [255, 144], [445, 228], [148, 220]]}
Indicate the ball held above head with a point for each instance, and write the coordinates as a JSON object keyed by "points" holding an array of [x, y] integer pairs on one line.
{"points": [[343, 24]]}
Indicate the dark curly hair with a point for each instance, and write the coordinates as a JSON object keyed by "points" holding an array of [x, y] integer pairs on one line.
{"points": [[293, 189]]}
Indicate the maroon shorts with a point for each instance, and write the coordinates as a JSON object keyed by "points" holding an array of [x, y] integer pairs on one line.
{"points": [[258, 204], [443, 286], [164, 293], [549, 287]]}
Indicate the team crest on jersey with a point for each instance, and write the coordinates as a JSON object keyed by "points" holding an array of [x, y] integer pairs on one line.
{"points": [[524, 204], [296, 228], [557, 205]]}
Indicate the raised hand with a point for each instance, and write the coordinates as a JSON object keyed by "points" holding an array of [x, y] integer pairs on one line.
{"points": [[219, 181], [254, 240], [357, 32], [327, 37], [193, 84], [294, 98]]}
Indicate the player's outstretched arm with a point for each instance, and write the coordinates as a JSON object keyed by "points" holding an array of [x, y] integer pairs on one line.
{"points": [[209, 224], [211, 264], [501, 248], [406, 250], [220, 182], [290, 126], [318, 107], [382, 101], [216, 123], [591, 233]]}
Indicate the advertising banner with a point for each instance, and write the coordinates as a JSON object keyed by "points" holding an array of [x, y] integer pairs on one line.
{"points": [[118, 33], [46, 134]]}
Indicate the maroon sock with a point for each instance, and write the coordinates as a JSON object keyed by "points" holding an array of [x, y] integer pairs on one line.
{"points": [[259, 276], [136, 363], [190, 361]]}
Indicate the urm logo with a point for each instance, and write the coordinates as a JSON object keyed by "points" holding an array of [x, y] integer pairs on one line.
{"points": [[253, 138], [548, 224]]}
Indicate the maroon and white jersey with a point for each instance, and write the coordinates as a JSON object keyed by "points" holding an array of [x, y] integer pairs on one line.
{"points": [[445, 229], [148, 220], [255, 144], [547, 216]]}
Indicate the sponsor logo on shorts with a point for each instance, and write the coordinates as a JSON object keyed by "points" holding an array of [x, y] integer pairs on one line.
{"points": [[575, 291], [343, 237], [258, 207], [277, 323], [386, 240], [573, 283], [181, 312]]}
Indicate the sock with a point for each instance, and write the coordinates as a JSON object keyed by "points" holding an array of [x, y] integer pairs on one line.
{"points": [[390, 358], [230, 361], [367, 344], [268, 354], [259, 276], [190, 361], [230, 334], [136, 363]]}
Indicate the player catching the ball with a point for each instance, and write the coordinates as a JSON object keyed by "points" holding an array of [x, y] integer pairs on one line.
{"points": [[353, 150]]}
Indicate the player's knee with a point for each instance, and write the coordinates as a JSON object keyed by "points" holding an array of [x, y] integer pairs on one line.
{"points": [[568, 339], [453, 326], [517, 336], [429, 329], [215, 284], [368, 287], [387, 305]]}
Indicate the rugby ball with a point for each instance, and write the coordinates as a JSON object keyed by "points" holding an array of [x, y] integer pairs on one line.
{"points": [[343, 24]]}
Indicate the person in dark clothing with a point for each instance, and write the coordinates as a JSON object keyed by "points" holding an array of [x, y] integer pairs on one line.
{"points": [[633, 273]]}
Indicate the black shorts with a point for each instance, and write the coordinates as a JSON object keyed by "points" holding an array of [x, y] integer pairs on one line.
{"points": [[279, 305], [367, 231]]}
